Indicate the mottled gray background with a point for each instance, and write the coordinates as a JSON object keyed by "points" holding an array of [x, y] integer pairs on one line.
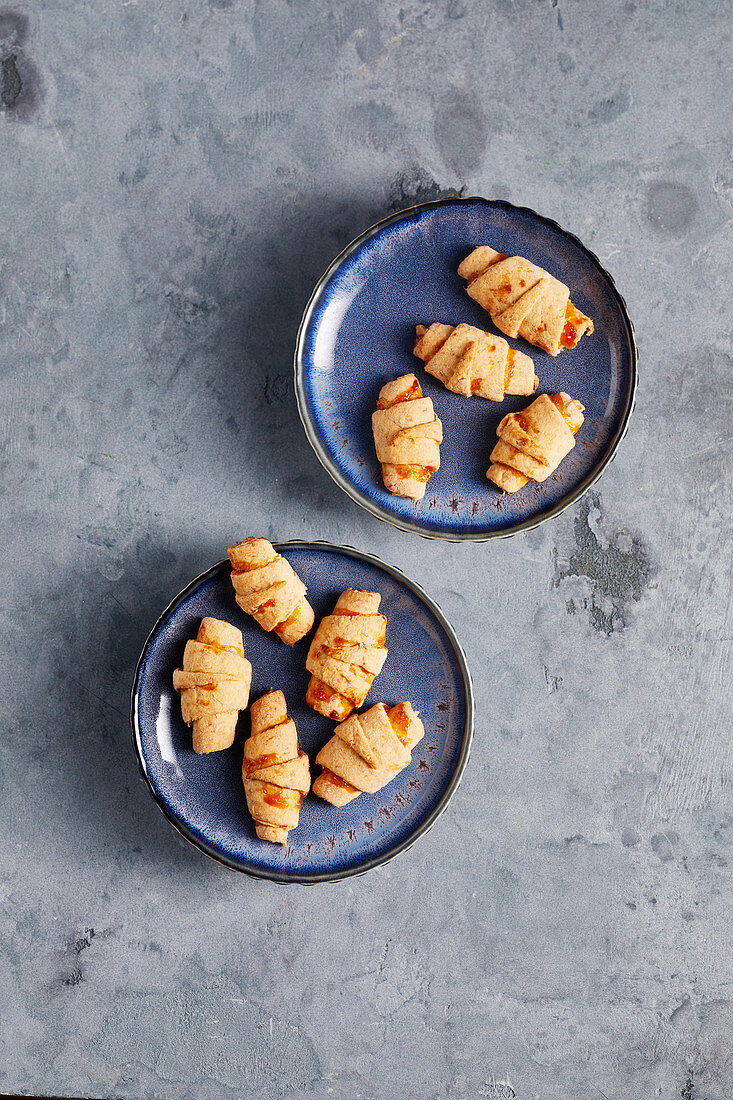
{"points": [[173, 178]]}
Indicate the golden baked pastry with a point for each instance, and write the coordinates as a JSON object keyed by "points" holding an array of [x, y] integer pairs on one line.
{"points": [[524, 300], [469, 361], [275, 771], [366, 752], [407, 437], [214, 684], [268, 588], [533, 443], [347, 652]]}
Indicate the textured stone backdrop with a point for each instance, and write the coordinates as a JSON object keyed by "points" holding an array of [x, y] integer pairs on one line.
{"points": [[174, 176]]}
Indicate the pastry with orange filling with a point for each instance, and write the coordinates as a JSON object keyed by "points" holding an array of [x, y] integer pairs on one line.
{"points": [[366, 752], [472, 362], [275, 771], [407, 437], [347, 652], [533, 443], [214, 684], [268, 588], [524, 300]]}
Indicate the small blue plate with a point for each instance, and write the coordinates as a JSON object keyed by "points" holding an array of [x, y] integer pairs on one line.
{"points": [[358, 332], [203, 795]]}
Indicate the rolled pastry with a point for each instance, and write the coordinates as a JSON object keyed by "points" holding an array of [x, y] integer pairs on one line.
{"points": [[366, 752], [268, 588], [347, 652], [524, 300], [214, 684], [533, 443], [275, 771], [407, 437], [469, 361]]}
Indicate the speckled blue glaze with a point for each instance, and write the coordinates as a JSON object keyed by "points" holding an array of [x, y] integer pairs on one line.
{"points": [[203, 795], [358, 332]]}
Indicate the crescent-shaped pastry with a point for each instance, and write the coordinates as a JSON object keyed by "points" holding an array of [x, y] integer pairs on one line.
{"points": [[524, 300], [533, 443], [268, 588], [275, 771], [469, 361], [366, 752], [407, 437], [347, 652], [214, 684]]}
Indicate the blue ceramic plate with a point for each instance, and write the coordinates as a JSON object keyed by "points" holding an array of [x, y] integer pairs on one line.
{"points": [[358, 331], [203, 795]]}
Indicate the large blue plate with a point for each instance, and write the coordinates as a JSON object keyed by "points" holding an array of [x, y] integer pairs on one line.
{"points": [[358, 331], [203, 795]]}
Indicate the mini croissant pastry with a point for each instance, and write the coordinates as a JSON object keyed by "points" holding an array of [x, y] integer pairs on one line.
{"points": [[533, 443], [275, 771], [214, 684], [347, 652], [469, 361], [524, 300], [366, 752], [268, 588], [407, 436]]}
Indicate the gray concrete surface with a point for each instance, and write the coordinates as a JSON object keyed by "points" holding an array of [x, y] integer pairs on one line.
{"points": [[173, 178]]}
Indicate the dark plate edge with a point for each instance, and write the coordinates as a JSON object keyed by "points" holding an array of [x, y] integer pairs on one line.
{"points": [[362, 868], [377, 509]]}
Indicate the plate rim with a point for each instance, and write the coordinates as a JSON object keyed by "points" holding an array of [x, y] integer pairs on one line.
{"points": [[414, 527], [444, 800]]}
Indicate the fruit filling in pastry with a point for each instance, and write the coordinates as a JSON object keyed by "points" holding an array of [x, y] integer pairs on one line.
{"points": [[214, 684], [268, 588], [407, 437], [367, 751], [275, 771], [347, 652], [524, 300], [533, 443], [471, 362]]}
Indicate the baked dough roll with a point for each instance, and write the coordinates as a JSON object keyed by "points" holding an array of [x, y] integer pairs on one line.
{"points": [[214, 684], [533, 443], [366, 752], [524, 300], [268, 588], [469, 361], [347, 652], [407, 437], [275, 771]]}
